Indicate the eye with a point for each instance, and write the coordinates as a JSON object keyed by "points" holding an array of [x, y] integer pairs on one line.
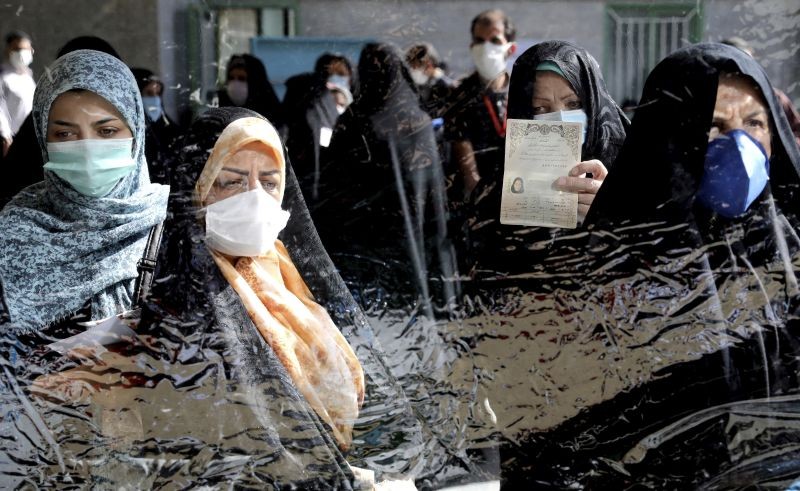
{"points": [[232, 184], [107, 131], [755, 123], [574, 104], [269, 186], [540, 110], [62, 134]]}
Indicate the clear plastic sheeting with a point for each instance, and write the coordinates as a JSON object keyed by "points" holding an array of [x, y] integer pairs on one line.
{"points": [[655, 346]]}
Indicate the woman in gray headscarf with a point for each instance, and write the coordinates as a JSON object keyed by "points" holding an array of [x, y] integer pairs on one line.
{"points": [[72, 242]]}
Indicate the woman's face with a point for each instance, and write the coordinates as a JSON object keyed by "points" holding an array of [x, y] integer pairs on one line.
{"points": [[237, 73], [251, 166], [553, 93], [741, 106], [84, 115]]}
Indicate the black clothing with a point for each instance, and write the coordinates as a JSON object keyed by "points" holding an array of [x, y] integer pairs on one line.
{"points": [[433, 96], [495, 247], [659, 345], [161, 137], [679, 109], [261, 96], [23, 162], [468, 117], [382, 190], [310, 109]]}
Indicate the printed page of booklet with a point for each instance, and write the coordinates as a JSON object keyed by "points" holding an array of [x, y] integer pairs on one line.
{"points": [[537, 154]]}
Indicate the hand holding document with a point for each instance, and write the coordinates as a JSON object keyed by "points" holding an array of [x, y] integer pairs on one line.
{"points": [[537, 154]]}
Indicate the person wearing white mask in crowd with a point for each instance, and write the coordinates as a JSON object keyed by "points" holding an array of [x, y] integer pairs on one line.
{"points": [[476, 112], [16, 86], [162, 131], [247, 85], [430, 80]]}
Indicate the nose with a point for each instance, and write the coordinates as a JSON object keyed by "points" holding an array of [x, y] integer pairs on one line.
{"points": [[252, 179]]}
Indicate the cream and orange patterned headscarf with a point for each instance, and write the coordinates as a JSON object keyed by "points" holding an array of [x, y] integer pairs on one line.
{"points": [[316, 355]]}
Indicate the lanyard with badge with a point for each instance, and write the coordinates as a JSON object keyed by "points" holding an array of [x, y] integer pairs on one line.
{"points": [[498, 128]]}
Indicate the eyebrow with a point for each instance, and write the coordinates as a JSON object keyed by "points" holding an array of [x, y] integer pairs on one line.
{"points": [[756, 113], [247, 173], [61, 122], [104, 121]]}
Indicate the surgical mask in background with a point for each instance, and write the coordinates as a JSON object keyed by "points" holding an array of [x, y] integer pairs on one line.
{"points": [[418, 76], [92, 167], [237, 92], [573, 116], [21, 58], [152, 107], [735, 172], [245, 225], [489, 59], [340, 109], [339, 81]]}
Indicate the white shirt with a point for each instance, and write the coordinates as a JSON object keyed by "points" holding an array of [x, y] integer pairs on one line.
{"points": [[16, 98]]}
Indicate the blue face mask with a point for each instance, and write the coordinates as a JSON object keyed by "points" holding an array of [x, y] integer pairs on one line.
{"points": [[91, 167], [574, 116], [735, 172], [152, 106]]}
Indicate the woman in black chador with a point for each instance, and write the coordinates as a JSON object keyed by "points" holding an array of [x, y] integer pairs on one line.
{"points": [[247, 85], [659, 346], [381, 211], [550, 77]]}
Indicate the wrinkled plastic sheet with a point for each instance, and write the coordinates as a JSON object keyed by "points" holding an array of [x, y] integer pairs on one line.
{"points": [[606, 370]]}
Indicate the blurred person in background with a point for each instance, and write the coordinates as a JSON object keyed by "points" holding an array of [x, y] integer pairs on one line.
{"points": [[312, 104], [161, 131], [16, 86], [430, 80], [475, 117], [382, 192], [247, 85]]}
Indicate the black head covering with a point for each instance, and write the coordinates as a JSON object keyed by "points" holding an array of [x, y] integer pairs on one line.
{"points": [[88, 42], [493, 247], [382, 188], [657, 173], [144, 76], [607, 123], [261, 96], [310, 109], [660, 345]]}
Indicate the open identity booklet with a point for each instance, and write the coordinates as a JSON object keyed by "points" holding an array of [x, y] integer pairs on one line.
{"points": [[538, 152]]}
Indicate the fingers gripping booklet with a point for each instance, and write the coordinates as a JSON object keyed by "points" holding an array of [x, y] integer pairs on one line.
{"points": [[537, 154]]}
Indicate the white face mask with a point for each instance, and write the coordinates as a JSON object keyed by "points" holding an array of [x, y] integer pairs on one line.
{"points": [[247, 224], [21, 58], [418, 76], [574, 116], [237, 91], [489, 59]]}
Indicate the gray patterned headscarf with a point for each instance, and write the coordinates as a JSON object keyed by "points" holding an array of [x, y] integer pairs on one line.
{"points": [[60, 248]]}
